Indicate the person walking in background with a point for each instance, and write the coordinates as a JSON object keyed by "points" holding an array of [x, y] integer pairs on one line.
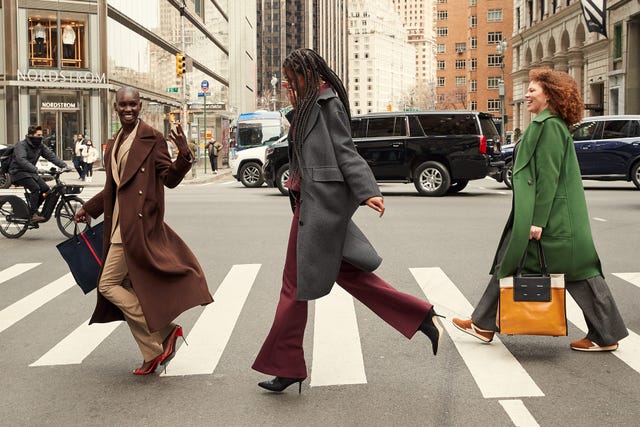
{"points": [[329, 180], [89, 156], [549, 205], [78, 148], [214, 148], [149, 275], [24, 172]]}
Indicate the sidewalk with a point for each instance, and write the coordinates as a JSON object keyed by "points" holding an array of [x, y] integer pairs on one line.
{"points": [[99, 176]]}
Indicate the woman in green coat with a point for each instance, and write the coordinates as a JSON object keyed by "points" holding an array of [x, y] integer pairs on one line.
{"points": [[549, 205]]}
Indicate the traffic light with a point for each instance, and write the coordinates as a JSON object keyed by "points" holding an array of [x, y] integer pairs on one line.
{"points": [[181, 65], [388, 107]]}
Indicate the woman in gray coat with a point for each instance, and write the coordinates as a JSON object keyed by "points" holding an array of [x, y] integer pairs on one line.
{"points": [[329, 180]]}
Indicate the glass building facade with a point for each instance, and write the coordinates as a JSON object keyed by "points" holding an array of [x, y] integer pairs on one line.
{"points": [[64, 60]]}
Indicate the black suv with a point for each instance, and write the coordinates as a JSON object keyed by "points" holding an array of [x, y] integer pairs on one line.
{"points": [[439, 151]]}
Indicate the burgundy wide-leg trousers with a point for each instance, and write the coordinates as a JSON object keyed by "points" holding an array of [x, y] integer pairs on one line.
{"points": [[282, 354]]}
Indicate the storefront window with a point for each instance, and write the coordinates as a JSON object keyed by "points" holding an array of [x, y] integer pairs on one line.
{"points": [[57, 39]]}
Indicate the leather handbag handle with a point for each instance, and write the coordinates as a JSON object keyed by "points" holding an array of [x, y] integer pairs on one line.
{"points": [[543, 261]]}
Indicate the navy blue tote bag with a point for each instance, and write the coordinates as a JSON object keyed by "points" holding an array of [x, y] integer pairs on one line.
{"points": [[83, 253]]}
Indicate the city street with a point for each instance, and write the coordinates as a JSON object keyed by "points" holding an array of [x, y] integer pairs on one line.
{"points": [[58, 371]]}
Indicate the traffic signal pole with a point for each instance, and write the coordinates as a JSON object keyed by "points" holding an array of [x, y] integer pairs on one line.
{"points": [[183, 108]]}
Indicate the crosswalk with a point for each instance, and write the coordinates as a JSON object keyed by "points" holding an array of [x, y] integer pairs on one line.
{"points": [[496, 371]]}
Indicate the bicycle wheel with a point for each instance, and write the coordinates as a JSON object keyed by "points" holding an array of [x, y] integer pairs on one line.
{"points": [[13, 222], [65, 211]]}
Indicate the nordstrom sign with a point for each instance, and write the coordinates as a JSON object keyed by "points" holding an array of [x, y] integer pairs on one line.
{"points": [[61, 76]]}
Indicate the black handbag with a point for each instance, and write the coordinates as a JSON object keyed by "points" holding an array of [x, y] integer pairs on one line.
{"points": [[83, 253]]}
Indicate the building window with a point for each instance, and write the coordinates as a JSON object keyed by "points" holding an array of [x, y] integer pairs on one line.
{"points": [[474, 64], [461, 64], [461, 47], [473, 21], [443, 31], [473, 85], [442, 1], [441, 48], [473, 43], [443, 15], [493, 60], [494, 37], [441, 65], [474, 105], [493, 82], [494, 15], [617, 42], [493, 105], [51, 34], [473, 2], [461, 81], [441, 81]]}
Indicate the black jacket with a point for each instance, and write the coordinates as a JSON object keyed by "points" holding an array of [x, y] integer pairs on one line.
{"points": [[25, 157]]}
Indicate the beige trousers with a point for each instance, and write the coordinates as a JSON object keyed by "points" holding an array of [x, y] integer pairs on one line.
{"points": [[116, 287]]}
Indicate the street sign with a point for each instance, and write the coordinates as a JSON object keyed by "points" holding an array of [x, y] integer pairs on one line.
{"points": [[204, 85], [204, 94], [172, 89]]}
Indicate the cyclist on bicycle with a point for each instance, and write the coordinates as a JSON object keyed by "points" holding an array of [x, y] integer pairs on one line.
{"points": [[24, 172]]}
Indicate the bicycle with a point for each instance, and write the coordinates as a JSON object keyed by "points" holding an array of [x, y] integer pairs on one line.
{"points": [[60, 201]]}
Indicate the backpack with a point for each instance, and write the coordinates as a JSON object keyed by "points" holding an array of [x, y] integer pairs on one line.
{"points": [[6, 156]]}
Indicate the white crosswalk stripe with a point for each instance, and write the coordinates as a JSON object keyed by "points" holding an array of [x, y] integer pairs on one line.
{"points": [[633, 278], [493, 367], [79, 344], [209, 336], [32, 302], [16, 270], [336, 327]]}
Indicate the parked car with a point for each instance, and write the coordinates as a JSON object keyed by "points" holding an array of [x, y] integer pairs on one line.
{"points": [[276, 166], [439, 151], [247, 165], [608, 149]]}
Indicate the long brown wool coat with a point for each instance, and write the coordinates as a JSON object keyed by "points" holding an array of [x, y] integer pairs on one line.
{"points": [[164, 273]]}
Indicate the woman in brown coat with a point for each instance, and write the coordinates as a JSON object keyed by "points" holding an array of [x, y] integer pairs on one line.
{"points": [[149, 275]]}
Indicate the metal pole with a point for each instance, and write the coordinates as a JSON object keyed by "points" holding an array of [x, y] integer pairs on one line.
{"points": [[205, 130], [183, 108]]}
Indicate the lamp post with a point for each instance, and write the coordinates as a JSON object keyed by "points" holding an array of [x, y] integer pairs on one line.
{"points": [[501, 48], [274, 83]]}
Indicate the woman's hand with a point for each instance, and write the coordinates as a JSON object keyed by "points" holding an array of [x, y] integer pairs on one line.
{"points": [[80, 216], [376, 203], [178, 137], [535, 232]]}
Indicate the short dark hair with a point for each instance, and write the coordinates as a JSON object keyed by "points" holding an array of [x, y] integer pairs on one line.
{"points": [[33, 129]]}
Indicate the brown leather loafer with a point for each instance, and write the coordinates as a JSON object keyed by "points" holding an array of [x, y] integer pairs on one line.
{"points": [[587, 345]]}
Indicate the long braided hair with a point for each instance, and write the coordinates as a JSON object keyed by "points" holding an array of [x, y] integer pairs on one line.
{"points": [[314, 70]]}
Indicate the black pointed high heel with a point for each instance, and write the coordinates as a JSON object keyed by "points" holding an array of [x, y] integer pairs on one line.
{"points": [[279, 384], [432, 329]]}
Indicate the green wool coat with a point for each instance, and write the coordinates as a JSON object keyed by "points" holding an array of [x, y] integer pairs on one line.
{"points": [[548, 193]]}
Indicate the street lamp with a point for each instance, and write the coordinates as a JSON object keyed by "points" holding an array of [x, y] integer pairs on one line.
{"points": [[274, 82], [501, 48]]}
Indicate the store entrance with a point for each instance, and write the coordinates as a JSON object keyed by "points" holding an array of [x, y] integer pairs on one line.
{"points": [[59, 129]]}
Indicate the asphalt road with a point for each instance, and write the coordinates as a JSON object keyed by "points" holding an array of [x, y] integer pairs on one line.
{"points": [[56, 371]]}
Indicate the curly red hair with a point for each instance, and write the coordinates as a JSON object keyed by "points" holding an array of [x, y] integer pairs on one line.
{"points": [[562, 91]]}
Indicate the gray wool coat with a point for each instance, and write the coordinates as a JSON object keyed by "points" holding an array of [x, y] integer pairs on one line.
{"points": [[335, 181]]}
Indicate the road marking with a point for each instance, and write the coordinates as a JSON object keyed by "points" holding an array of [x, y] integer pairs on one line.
{"points": [[76, 346], [337, 353], [496, 371], [629, 350], [16, 270], [595, 218], [519, 413], [210, 334], [32, 302], [633, 278]]}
